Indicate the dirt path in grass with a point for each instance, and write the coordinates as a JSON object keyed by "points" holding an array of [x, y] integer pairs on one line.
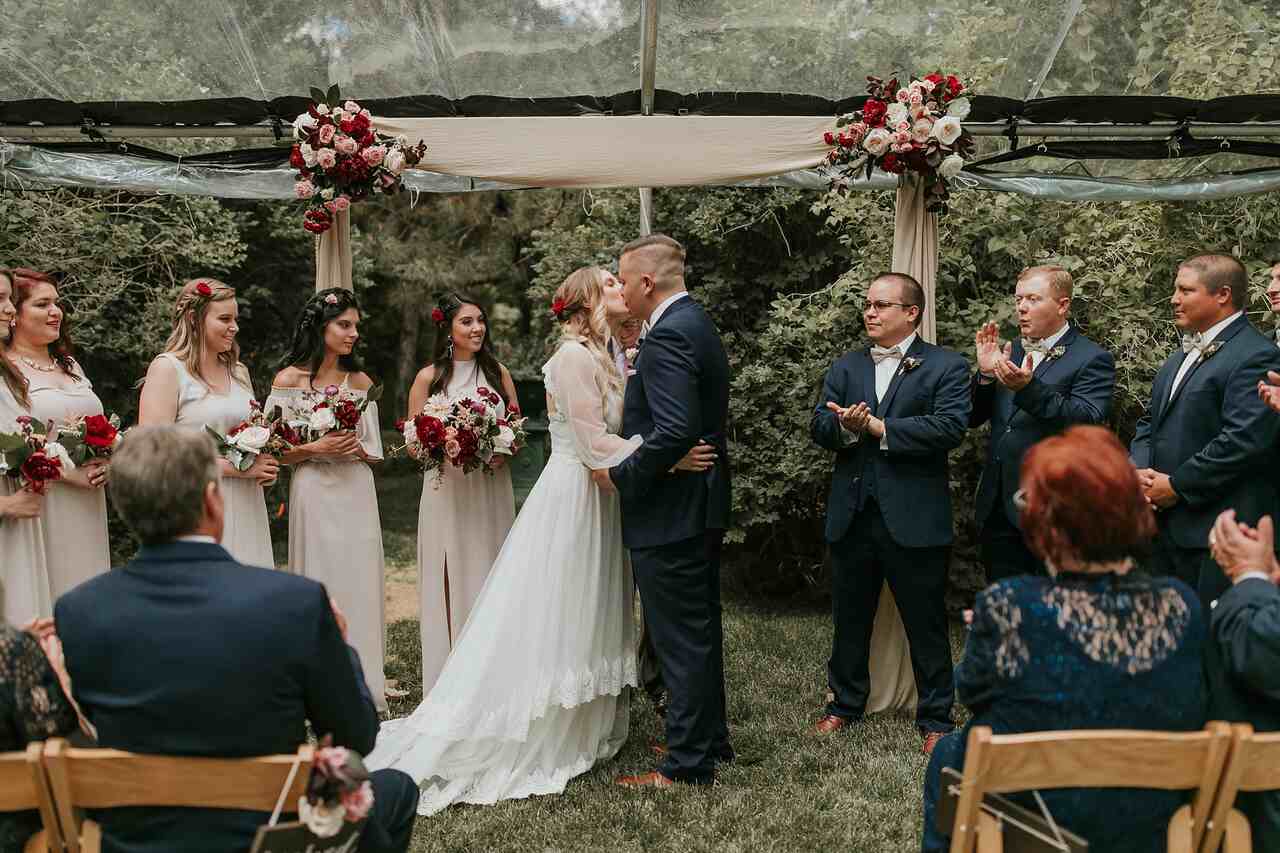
{"points": [[402, 593]]}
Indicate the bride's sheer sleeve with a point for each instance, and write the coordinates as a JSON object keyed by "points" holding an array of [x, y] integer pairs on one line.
{"points": [[578, 398]]}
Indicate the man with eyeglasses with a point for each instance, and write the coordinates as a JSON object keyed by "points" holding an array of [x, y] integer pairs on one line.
{"points": [[892, 412], [1051, 378]]}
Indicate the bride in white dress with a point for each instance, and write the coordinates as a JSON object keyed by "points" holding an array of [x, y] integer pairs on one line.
{"points": [[532, 693]]}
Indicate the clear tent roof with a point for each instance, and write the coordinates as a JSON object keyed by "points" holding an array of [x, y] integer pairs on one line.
{"points": [[91, 50]]}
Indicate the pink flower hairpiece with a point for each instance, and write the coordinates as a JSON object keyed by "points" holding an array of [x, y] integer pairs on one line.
{"points": [[331, 299]]}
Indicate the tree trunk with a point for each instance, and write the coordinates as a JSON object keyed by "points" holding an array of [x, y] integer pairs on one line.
{"points": [[406, 358]]}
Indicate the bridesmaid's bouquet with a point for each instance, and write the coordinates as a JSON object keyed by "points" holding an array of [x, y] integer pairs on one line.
{"points": [[91, 437], [329, 409], [30, 457], [466, 433], [257, 434]]}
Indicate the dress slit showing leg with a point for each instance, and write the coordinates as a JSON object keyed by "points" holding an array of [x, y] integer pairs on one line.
{"points": [[448, 604]]}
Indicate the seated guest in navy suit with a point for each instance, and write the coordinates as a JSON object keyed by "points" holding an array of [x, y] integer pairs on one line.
{"points": [[1049, 379], [1243, 660], [186, 652], [1207, 442], [1095, 645], [892, 412]]}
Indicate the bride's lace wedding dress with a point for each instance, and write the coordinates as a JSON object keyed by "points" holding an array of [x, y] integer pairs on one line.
{"points": [[532, 693]]}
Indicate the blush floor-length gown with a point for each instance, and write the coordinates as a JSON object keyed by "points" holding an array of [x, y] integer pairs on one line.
{"points": [[533, 692]]}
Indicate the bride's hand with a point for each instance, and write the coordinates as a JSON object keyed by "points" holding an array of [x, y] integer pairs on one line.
{"points": [[701, 457]]}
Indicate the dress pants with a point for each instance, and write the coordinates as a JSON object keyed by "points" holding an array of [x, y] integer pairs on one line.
{"points": [[680, 590], [862, 561], [1193, 566], [1004, 552], [395, 805]]}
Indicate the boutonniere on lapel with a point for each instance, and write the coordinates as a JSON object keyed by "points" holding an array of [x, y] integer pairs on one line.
{"points": [[1056, 352], [909, 364], [1208, 352]]}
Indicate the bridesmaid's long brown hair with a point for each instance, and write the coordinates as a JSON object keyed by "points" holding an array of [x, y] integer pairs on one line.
{"points": [[13, 377]]}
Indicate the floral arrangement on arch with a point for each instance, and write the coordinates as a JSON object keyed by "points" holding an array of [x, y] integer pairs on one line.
{"points": [[341, 159], [914, 129]]}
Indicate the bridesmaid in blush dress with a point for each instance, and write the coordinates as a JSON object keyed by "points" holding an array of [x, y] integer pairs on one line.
{"points": [[463, 522], [335, 534], [76, 546], [22, 568], [199, 381]]}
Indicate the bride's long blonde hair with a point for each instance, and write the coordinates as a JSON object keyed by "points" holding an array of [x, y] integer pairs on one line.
{"points": [[583, 318]]}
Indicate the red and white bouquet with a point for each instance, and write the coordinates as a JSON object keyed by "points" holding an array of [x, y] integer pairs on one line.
{"points": [[90, 437], [31, 458], [467, 433], [915, 128], [329, 409], [340, 159], [338, 791], [254, 436]]}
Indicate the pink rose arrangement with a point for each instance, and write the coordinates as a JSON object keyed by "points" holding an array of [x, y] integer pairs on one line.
{"points": [[338, 790], [914, 129], [339, 158], [468, 433]]}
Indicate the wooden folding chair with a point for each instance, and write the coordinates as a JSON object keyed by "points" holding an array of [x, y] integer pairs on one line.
{"points": [[107, 778], [1103, 758], [24, 786], [1253, 765]]}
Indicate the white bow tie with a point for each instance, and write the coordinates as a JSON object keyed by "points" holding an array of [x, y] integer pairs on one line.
{"points": [[1038, 345], [1193, 342], [879, 354]]}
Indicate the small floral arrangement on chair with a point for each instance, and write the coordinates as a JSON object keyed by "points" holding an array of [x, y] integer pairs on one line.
{"points": [[340, 159], [31, 457], [915, 128], [338, 791]]}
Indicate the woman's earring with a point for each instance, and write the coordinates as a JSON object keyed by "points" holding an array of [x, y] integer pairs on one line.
{"points": [[450, 346]]}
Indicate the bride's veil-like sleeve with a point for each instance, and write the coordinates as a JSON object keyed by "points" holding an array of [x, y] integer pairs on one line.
{"points": [[577, 395]]}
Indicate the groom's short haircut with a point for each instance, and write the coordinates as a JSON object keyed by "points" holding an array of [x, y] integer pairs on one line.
{"points": [[912, 292], [158, 480], [1217, 271], [665, 253]]}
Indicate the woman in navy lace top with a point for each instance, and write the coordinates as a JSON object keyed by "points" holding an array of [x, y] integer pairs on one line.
{"points": [[1097, 645]]}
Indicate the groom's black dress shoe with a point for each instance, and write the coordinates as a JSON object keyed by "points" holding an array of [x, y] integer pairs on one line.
{"points": [[653, 779]]}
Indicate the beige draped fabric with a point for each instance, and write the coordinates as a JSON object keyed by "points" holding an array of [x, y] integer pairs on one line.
{"points": [[333, 254], [616, 151]]}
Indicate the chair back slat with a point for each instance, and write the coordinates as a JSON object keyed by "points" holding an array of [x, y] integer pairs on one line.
{"points": [[1253, 765], [19, 789], [1262, 763], [1104, 758]]}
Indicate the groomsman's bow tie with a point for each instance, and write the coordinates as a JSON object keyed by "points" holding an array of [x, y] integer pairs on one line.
{"points": [[879, 354], [1193, 342], [1030, 345]]}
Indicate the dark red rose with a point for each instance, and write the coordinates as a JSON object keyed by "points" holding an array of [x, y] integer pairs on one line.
{"points": [[351, 170], [437, 316], [557, 308], [430, 431], [203, 288], [317, 220], [890, 163], [954, 86], [469, 444], [347, 125], [39, 469], [400, 425], [829, 138], [235, 429], [288, 433], [295, 158], [99, 433], [935, 78], [347, 414], [873, 112], [362, 123]]}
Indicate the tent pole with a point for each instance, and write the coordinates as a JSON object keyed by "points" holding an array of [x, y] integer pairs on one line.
{"points": [[648, 77]]}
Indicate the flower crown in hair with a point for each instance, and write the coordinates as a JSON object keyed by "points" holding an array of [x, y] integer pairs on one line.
{"points": [[558, 309]]}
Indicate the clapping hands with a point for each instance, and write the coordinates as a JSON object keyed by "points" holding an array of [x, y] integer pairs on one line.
{"points": [[997, 362], [858, 419], [1239, 548], [1269, 390]]}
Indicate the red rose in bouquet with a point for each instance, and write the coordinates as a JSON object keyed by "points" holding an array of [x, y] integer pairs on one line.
{"points": [[99, 432], [39, 470], [430, 431], [347, 414], [873, 112]]}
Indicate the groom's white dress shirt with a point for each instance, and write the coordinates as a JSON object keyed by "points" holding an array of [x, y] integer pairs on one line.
{"points": [[1194, 356]]}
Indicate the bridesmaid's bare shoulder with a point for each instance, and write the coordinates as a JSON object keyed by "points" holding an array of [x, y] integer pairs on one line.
{"points": [[425, 375], [291, 377], [360, 381]]}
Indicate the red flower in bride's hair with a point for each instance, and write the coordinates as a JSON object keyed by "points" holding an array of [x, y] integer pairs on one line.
{"points": [[203, 288], [437, 316], [557, 308]]}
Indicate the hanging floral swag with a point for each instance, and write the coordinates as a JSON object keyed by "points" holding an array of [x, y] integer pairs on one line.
{"points": [[341, 159], [913, 129]]}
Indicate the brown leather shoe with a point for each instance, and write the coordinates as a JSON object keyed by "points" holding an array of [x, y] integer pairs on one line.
{"points": [[930, 741], [830, 723], [653, 779]]}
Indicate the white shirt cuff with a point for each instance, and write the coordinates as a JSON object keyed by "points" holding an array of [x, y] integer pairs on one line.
{"points": [[884, 439], [1260, 575]]}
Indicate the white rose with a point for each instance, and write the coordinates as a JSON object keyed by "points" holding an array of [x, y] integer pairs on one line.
{"points": [[877, 141], [959, 108], [323, 109], [308, 154], [323, 822], [327, 194], [896, 114], [394, 162], [438, 406], [302, 125], [54, 450], [947, 129], [322, 420], [951, 166], [504, 440], [251, 439], [351, 107]]}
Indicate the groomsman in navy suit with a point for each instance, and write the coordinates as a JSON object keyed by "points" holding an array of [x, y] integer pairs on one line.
{"points": [[892, 413], [1207, 441], [1273, 298], [1049, 379]]}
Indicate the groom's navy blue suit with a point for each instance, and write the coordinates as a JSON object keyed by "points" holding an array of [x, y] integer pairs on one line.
{"points": [[1217, 442], [674, 524], [1074, 388], [889, 518], [186, 652]]}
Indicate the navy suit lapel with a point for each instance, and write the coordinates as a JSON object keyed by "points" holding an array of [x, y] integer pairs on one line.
{"points": [[865, 373], [917, 346], [1223, 338], [1065, 342]]}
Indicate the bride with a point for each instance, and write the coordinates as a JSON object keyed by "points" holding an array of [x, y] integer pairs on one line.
{"points": [[532, 693]]}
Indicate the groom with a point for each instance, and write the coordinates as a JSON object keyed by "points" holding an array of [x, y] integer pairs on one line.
{"points": [[674, 522]]}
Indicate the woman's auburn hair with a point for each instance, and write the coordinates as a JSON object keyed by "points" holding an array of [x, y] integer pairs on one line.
{"points": [[1083, 499]]}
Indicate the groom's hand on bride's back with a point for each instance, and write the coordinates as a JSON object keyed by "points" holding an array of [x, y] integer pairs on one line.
{"points": [[701, 457]]}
